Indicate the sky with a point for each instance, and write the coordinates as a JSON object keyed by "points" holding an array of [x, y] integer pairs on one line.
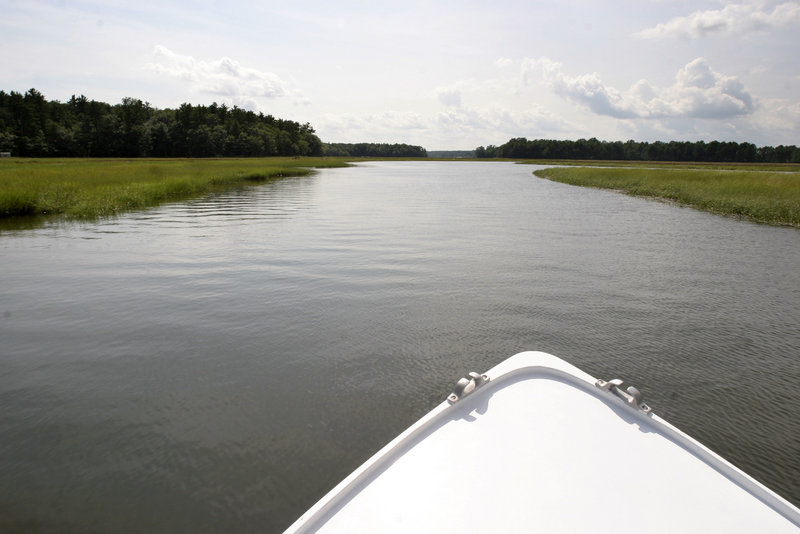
{"points": [[446, 75]]}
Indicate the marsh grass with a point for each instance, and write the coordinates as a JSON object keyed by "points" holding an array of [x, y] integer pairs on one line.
{"points": [[761, 195], [89, 188], [731, 166]]}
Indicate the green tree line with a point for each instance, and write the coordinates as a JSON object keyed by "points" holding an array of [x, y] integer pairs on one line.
{"points": [[30, 125], [717, 151], [373, 150]]}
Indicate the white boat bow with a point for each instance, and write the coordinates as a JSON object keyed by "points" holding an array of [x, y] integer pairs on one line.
{"points": [[537, 445]]}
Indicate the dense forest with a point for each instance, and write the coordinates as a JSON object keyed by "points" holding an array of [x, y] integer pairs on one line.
{"points": [[642, 151], [375, 150], [452, 154], [32, 126]]}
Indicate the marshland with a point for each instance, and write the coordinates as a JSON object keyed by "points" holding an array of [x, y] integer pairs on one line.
{"points": [[81, 188], [769, 195], [85, 187]]}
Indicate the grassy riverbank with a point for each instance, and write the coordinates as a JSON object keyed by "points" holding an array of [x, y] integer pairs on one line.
{"points": [[732, 166], [767, 196], [86, 188]]}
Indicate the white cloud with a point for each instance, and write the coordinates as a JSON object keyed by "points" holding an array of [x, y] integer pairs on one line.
{"points": [[733, 18], [780, 119], [698, 92], [400, 120], [701, 92], [350, 127], [528, 122], [586, 89], [451, 124], [449, 96], [224, 77]]}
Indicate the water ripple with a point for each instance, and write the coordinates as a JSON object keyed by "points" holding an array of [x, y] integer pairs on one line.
{"points": [[220, 363]]}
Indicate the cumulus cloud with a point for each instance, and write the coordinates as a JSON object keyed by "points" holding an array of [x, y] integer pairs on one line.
{"points": [[698, 92], [586, 89], [224, 77], [702, 92], [733, 18]]}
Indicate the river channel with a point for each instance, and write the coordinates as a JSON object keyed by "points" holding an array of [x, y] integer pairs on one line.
{"points": [[217, 365]]}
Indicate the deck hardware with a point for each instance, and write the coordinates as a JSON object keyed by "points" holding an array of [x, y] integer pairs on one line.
{"points": [[467, 385], [631, 395]]}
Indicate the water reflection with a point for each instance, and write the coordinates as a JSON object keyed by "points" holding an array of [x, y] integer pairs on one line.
{"points": [[278, 197]]}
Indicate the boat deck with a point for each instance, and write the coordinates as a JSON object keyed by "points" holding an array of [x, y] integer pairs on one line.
{"points": [[541, 448]]}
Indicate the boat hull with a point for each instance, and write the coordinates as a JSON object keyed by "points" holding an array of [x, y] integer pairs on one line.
{"points": [[537, 445]]}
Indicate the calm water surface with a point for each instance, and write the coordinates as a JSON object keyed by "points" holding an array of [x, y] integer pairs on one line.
{"points": [[217, 365]]}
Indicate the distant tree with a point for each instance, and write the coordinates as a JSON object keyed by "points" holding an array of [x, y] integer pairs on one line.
{"points": [[520, 147], [32, 126], [379, 150]]}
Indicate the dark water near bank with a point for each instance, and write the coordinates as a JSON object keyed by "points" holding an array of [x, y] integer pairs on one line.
{"points": [[217, 365]]}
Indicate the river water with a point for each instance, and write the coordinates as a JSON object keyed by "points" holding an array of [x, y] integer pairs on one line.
{"points": [[217, 365]]}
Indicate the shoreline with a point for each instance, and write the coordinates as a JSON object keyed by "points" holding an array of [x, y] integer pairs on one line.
{"points": [[36, 190], [764, 196], [88, 188]]}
